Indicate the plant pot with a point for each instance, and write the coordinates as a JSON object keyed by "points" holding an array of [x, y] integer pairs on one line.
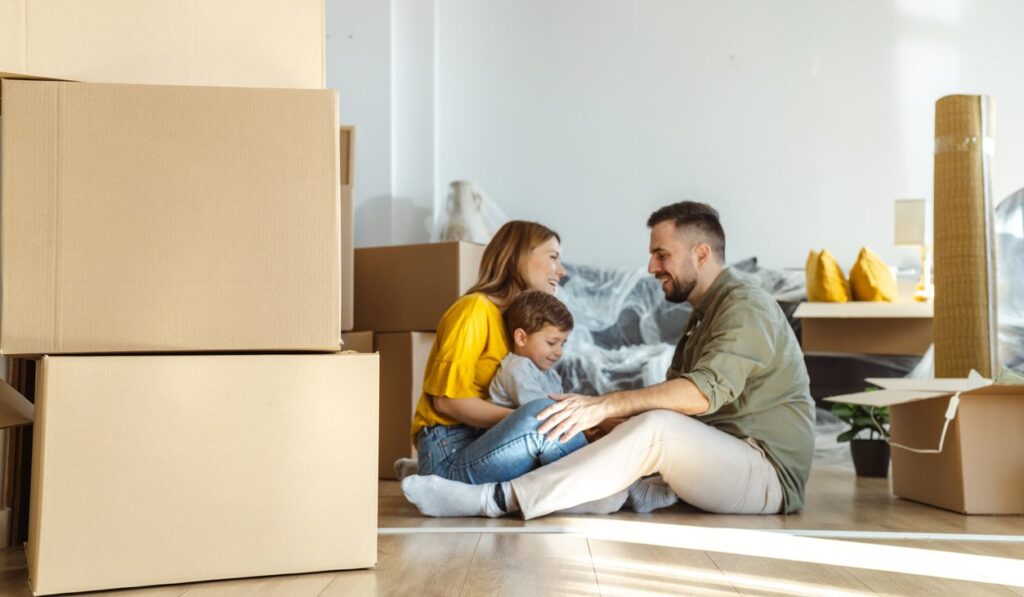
{"points": [[870, 457]]}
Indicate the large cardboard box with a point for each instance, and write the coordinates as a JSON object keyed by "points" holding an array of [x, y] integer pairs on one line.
{"points": [[403, 359], [409, 287], [155, 219], [272, 43], [980, 467], [347, 145], [169, 469], [865, 328]]}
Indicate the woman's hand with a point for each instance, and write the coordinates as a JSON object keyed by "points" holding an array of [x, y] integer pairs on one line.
{"points": [[571, 414]]}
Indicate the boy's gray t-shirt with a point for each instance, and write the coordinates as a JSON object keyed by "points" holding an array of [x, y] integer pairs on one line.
{"points": [[519, 381]]}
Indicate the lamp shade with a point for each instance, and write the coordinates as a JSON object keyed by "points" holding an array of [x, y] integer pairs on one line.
{"points": [[909, 221]]}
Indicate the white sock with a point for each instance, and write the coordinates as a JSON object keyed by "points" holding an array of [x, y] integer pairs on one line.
{"points": [[608, 505], [405, 467], [437, 496], [647, 495]]}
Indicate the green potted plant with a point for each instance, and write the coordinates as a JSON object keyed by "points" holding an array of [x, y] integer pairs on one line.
{"points": [[868, 436]]}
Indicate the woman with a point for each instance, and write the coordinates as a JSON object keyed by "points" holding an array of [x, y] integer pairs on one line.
{"points": [[459, 434]]}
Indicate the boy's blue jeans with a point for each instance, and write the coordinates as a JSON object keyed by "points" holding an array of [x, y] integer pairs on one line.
{"points": [[508, 450]]}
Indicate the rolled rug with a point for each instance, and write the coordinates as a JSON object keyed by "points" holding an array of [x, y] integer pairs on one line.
{"points": [[965, 278]]}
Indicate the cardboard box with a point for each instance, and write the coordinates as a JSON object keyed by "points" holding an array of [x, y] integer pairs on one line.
{"points": [[168, 469], [409, 287], [865, 328], [276, 43], [348, 231], [980, 469], [157, 219], [357, 341], [403, 359], [5, 527]]}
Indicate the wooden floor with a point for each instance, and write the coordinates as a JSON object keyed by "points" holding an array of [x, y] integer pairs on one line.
{"points": [[675, 551]]}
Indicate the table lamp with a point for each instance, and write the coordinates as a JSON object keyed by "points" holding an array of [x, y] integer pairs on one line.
{"points": [[910, 230]]}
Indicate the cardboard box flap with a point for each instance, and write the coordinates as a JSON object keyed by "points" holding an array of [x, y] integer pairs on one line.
{"points": [[947, 385], [885, 397], [9, 76], [999, 389], [15, 409]]}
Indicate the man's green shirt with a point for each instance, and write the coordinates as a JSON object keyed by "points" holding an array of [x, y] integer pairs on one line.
{"points": [[741, 353]]}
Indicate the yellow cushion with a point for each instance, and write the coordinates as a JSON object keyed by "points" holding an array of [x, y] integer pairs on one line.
{"points": [[825, 280], [871, 279]]}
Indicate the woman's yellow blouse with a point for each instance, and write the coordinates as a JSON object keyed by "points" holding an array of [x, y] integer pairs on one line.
{"points": [[469, 346]]}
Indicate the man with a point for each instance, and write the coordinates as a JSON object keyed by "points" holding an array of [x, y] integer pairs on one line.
{"points": [[730, 430]]}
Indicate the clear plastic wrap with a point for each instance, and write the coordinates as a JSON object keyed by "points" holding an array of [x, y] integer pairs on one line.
{"points": [[625, 329], [1010, 279], [469, 215]]}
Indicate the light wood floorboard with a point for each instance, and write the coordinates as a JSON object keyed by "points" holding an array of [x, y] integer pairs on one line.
{"points": [[836, 500], [412, 565], [483, 563], [517, 565], [637, 569]]}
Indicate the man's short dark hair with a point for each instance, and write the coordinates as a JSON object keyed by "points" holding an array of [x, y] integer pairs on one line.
{"points": [[693, 216], [532, 310]]}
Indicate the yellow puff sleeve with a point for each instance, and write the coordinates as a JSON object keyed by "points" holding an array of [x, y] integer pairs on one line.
{"points": [[469, 346], [461, 341]]}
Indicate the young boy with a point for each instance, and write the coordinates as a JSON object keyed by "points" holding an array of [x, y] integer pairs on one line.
{"points": [[538, 326]]}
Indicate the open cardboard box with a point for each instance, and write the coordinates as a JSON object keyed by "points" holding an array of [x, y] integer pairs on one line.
{"points": [[980, 468], [163, 469]]}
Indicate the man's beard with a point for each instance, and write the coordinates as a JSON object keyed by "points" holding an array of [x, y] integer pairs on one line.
{"points": [[677, 291]]}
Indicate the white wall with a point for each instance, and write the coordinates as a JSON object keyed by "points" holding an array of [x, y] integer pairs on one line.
{"points": [[359, 66], [801, 120]]}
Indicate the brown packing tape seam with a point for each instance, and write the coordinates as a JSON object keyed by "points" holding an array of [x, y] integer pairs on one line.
{"points": [[950, 143]]}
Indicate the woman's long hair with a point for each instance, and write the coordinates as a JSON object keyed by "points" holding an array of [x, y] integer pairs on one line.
{"points": [[504, 259]]}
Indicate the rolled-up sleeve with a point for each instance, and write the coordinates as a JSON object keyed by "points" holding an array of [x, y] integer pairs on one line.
{"points": [[741, 346]]}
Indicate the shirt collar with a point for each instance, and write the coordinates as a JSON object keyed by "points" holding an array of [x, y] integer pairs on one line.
{"points": [[714, 290]]}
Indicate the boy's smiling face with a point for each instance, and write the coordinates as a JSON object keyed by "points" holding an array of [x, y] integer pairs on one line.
{"points": [[543, 347]]}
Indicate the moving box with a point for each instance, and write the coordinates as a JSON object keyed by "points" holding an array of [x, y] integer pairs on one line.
{"points": [[272, 43], [403, 358], [408, 288], [169, 469], [142, 218]]}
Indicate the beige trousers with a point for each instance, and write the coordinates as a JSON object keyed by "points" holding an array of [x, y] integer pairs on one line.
{"points": [[707, 468]]}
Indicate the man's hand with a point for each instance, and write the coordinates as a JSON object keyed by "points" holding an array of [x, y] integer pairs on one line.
{"points": [[571, 414]]}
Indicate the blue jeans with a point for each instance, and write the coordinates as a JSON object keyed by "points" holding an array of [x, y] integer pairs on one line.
{"points": [[508, 450]]}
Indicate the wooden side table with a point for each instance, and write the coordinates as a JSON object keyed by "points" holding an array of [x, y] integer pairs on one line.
{"points": [[903, 328]]}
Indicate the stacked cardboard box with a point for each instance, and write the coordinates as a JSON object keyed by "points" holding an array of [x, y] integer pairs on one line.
{"points": [[173, 270], [401, 292], [279, 43]]}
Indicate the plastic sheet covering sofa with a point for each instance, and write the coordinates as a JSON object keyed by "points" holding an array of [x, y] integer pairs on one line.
{"points": [[626, 330]]}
